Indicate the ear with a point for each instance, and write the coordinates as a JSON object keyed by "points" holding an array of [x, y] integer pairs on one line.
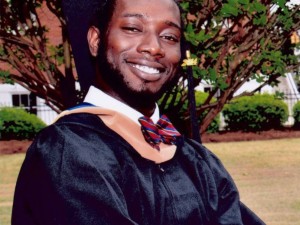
{"points": [[93, 37]]}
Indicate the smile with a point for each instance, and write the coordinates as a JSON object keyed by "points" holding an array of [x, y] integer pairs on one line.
{"points": [[146, 69]]}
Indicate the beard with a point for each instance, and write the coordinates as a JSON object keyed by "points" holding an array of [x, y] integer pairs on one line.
{"points": [[113, 78]]}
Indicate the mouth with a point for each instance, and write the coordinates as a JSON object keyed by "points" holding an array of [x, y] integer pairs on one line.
{"points": [[146, 70]]}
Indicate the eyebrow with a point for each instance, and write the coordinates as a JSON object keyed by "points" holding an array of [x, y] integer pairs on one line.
{"points": [[172, 24], [167, 22]]}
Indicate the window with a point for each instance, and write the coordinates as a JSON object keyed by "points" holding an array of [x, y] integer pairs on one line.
{"points": [[26, 101], [207, 89]]}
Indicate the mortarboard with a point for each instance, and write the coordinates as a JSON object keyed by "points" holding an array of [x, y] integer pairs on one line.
{"points": [[78, 15]]}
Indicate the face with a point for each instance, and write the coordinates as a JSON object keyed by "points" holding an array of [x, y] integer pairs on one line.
{"points": [[142, 48]]}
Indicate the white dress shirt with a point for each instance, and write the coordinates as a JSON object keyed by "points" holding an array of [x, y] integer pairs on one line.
{"points": [[98, 98]]}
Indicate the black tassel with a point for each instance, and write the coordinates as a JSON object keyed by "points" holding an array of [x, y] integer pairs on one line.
{"points": [[192, 103]]}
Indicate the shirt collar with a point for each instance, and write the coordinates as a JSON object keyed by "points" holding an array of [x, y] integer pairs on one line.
{"points": [[98, 98]]}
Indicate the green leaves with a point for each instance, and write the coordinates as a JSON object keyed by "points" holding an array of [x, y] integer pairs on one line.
{"points": [[5, 77], [57, 53], [194, 37], [185, 6], [212, 74], [16, 123], [255, 113], [255, 9], [2, 52], [229, 10], [244, 2], [274, 62], [260, 20], [280, 3]]}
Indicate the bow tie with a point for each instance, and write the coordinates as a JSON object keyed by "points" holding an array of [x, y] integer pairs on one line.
{"points": [[162, 131]]}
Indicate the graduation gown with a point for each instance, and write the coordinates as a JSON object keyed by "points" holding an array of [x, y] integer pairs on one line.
{"points": [[79, 171]]}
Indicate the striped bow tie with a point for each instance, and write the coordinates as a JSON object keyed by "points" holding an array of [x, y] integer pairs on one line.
{"points": [[162, 131]]}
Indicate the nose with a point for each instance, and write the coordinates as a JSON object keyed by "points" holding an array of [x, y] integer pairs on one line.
{"points": [[150, 44]]}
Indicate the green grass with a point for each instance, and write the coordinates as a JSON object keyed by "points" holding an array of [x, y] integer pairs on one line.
{"points": [[267, 174], [9, 169]]}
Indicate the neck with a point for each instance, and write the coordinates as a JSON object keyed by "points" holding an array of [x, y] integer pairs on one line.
{"points": [[140, 104], [146, 111], [144, 103]]}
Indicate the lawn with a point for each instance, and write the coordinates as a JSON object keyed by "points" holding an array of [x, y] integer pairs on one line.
{"points": [[9, 169], [267, 174]]}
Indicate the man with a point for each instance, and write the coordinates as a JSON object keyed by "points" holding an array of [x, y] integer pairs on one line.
{"points": [[98, 165]]}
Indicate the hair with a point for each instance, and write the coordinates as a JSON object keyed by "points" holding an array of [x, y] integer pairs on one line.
{"points": [[104, 12], [103, 15]]}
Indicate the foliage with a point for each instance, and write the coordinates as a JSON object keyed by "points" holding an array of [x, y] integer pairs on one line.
{"points": [[5, 77], [184, 110], [255, 113], [296, 115], [18, 124], [35, 59], [234, 40]]}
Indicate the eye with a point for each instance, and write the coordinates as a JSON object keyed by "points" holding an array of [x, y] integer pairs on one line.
{"points": [[171, 38], [131, 29]]}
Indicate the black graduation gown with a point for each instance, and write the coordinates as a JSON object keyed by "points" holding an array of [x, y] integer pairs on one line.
{"points": [[79, 171]]}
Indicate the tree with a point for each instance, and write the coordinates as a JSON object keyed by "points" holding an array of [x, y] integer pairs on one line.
{"points": [[234, 40], [34, 62]]}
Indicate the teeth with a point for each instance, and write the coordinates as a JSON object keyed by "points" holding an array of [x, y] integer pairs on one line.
{"points": [[146, 69]]}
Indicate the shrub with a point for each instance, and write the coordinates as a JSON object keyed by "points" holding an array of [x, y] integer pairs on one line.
{"points": [[255, 113], [296, 115], [18, 124], [200, 98]]}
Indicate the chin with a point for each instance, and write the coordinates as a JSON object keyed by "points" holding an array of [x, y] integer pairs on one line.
{"points": [[141, 97], [139, 93]]}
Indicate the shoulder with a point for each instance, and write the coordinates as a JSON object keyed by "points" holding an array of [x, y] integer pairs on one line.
{"points": [[77, 142], [74, 135], [204, 157], [73, 125], [197, 150], [79, 119]]}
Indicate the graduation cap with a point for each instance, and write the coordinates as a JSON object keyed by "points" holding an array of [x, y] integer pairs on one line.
{"points": [[78, 15]]}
